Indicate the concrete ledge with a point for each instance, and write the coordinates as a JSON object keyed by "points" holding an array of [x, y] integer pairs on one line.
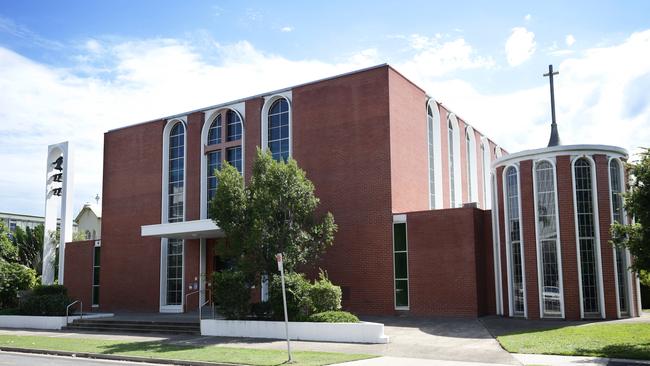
{"points": [[363, 332], [42, 322], [100, 356]]}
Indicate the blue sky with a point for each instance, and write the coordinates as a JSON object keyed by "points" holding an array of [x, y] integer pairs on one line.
{"points": [[71, 70]]}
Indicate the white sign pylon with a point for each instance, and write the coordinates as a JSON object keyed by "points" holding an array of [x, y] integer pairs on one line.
{"points": [[58, 204]]}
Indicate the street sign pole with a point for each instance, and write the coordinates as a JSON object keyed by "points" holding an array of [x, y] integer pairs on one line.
{"points": [[278, 257]]}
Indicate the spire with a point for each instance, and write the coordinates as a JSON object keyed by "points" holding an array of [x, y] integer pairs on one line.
{"points": [[555, 136]]}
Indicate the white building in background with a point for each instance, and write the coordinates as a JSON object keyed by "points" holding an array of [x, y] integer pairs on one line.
{"points": [[14, 220], [89, 221]]}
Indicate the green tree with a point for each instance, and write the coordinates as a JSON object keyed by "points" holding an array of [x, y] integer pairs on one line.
{"points": [[275, 213], [30, 246], [8, 250], [636, 236]]}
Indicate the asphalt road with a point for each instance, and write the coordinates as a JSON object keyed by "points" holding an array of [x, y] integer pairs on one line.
{"points": [[27, 359]]}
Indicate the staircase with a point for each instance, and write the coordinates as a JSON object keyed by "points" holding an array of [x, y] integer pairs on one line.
{"points": [[134, 326]]}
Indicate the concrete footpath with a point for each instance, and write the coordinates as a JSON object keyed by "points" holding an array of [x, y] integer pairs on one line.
{"points": [[440, 339]]}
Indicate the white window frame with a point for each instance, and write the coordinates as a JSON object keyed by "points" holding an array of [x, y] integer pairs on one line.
{"points": [[496, 244], [458, 185], [209, 117], [165, 212], [401, 219], [268, 102], [98, 244], [558, 247], [472, 170], [487, 180], [437, 154], [599, 264], [509, 244], [628, 257]]}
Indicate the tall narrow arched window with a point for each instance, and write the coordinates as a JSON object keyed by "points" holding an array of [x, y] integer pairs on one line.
{"points": [[548, 250], [468, 144], [432, 176], [172, 249], [487, 182], [517, 293], [587, 234], [470, 147], [175, 201], [616, 192], [452, 173], [278, 129]]}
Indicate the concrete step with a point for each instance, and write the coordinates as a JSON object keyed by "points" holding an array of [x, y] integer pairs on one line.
{"points": [[135, 326]]}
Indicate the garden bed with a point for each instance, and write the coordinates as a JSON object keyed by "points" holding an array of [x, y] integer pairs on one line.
{"points": [[42, 322], [362, 332]]}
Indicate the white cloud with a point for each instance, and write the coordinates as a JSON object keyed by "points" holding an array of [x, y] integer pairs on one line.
{"points": [[127, 82], [520, 46], [433, 58], [569, 40], [527, 17], [286, 29], [592, 106], [122, 82]]}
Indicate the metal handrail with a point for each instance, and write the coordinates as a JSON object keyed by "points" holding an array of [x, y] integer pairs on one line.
{"points": [[188, 295], [67, 309], [200, 305]]}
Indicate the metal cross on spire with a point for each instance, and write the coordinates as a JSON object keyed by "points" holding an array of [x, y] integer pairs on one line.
{"points": [[555, 136]]}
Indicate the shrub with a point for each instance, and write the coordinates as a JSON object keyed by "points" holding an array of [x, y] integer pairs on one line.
{"points": [[324, 295], [298, 301], [232, 293], [14, 277], [44, 305], [261, 310], [334, 317], [50, 290]]}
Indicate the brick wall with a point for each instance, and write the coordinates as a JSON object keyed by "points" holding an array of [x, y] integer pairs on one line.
{"points": [[79, 271], [341, 139], [448, 273], [130, 263]]}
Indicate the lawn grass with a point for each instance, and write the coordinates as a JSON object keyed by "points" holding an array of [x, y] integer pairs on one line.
{"points": [[630, 340], [161, 349]]}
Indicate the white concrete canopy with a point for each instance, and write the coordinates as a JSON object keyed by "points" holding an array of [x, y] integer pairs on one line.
{"points": [[196, 229]]}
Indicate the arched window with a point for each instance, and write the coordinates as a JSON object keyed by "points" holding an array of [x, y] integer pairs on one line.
{"points": [[214, 133], [452, 173], [548, 251], [470, 147], [94, 235], [234, 127], [587, 235], [171, 285], [175, 201], [513, 230], [216, 149], [88, 236], [487, 182], [432, 176], [278, 129], [616, 191]]}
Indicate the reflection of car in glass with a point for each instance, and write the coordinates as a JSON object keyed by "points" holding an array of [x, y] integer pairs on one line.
{"points": [[551, 293]]}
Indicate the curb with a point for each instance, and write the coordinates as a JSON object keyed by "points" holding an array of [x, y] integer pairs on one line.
{"points": [[100, 356]]}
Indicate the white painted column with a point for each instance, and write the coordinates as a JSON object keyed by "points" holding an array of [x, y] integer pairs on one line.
{"points": [[202, 278]]}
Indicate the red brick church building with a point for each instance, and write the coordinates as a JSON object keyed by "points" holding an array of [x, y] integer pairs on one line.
{"points": [[434, 217]]}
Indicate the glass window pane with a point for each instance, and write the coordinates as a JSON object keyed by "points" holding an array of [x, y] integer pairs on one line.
{"points": [[401, 293], [399, 236], [401, 265]]}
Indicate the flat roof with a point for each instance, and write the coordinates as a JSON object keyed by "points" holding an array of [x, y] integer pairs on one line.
{"points": [[277, 91], [256, 96]]}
